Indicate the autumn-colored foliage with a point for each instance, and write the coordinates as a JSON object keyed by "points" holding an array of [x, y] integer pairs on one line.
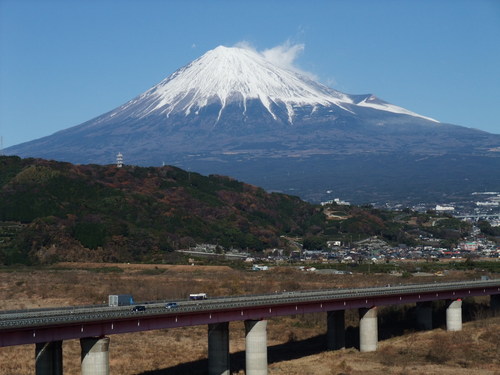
{"points": [[53, 211], [132, 213]]}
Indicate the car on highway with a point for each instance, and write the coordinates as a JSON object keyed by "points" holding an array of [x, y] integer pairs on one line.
{"points": [[139, 308], [171, 305]]}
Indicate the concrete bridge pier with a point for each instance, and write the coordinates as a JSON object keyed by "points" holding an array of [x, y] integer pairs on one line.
{"points": [[335, 330], [454, 315], [495, 303], [424, 315], [48, 358], [95, 355], [368, 329], [256, 347], [218, 349]]}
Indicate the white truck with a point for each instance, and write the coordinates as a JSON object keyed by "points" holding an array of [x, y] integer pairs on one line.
{"points": [[120, 300], [198, 296]]}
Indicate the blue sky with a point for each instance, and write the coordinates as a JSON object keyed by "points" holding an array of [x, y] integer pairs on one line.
{"points": [[63, 62]]}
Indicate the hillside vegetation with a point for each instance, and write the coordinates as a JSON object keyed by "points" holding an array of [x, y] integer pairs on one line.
{"points": [[52, 211]]}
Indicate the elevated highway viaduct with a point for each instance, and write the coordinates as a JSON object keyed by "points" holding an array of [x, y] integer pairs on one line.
{"points": [[47, 328]]}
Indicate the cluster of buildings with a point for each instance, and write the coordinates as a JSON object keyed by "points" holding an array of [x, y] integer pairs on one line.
{"points": [[483, 206], [375, 250], [370, 250]]}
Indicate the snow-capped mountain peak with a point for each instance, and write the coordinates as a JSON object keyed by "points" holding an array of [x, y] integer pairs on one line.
{"points": [[235, 112], [229, 74]]}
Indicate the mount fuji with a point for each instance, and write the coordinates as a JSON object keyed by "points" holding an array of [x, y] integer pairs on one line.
{"points": [[233, 111]]}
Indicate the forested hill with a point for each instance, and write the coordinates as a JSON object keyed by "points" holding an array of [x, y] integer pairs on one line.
{"points": [[92, 212], [52, 211]]}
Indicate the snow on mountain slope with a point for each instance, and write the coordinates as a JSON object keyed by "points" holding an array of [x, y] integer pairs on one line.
{"points": [[374, 102], [226, 75]]}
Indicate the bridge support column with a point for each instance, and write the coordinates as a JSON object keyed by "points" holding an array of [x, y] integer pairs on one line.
{"points": [[218, 349], [335, 330], [95, 355], [368, 329], [495, 303], [424, 315], [454, 315], [48, 358], [256, 347]]}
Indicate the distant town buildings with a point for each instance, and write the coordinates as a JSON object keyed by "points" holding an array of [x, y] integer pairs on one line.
{"points": [[482, 206], [492, 204], [440, 208], [336, 201], [469, 246]]}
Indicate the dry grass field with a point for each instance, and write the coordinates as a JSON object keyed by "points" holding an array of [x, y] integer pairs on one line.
{"points": [[295, 343]]}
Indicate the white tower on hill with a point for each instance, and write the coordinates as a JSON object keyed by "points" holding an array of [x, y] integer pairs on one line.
{"points": [[119, 160]]}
